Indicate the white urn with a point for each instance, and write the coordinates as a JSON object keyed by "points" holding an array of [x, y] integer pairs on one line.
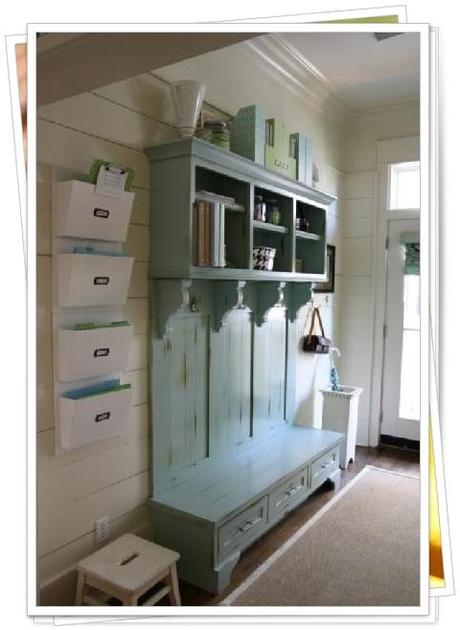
{"points": [[187, 97]]}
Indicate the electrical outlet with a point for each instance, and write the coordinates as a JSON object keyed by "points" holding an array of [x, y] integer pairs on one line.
{"points": [[102, 529]]}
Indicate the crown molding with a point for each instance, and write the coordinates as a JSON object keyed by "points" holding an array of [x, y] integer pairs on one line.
{"points": [[277, 57], [378, 114], [284, 63]]}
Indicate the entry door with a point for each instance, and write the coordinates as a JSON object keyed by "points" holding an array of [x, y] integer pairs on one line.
{"points": [[401, 369]]}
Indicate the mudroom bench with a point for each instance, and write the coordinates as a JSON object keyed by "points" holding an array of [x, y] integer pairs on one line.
{"points": [[212, 517]]}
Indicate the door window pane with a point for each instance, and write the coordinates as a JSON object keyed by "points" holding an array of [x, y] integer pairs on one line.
{"points": [[409, 398], [405, 186]]}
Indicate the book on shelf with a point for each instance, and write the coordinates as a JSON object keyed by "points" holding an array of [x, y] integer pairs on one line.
{"points": [[229, 202], [209, 233]]}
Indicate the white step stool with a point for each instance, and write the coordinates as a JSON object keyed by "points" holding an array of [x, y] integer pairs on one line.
{"points": [[126, 569]]}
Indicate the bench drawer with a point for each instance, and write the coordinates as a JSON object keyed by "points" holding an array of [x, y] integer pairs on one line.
{"points": [[287, 495], [237, 533], [321, 468]]}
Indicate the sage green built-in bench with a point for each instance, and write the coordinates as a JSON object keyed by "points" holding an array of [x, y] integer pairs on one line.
{"points": [[228, 462], [211, 518]]}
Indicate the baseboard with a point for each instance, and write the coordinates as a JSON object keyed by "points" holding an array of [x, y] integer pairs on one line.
{"points": [[401, 443]]}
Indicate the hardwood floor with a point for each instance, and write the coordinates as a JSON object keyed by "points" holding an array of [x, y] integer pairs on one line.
{"points": [[383, 457]]}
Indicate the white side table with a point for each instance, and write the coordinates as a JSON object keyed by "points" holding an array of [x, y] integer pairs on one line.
{"points": [[126, 569], [340, 413]]}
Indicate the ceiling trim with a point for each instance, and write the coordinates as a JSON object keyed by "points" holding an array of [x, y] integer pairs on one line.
{"points": [[377, 114], [284, 63], [278, 57]]}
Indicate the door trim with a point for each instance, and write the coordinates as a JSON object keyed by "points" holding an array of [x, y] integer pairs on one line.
{"points": [[379, 295]]}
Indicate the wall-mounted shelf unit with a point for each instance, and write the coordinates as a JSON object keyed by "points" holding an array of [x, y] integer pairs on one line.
{"points": [[182, 168], [87, 353], [83, 213], [91, 338], [92, 280], [93, 418]]}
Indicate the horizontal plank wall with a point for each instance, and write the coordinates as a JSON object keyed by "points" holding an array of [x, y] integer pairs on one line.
{"points": [[359, 225], [111, 478]]}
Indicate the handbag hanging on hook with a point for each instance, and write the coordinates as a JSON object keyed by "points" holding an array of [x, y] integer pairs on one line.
{"points": [[316, 343]]}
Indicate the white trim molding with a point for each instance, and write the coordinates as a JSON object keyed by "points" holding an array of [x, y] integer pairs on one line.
{"points": [[406, 149]]}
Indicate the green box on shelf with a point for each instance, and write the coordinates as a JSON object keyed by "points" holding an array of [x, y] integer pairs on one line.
{"points": [[247, 133], [277, 149], [302, 151]]}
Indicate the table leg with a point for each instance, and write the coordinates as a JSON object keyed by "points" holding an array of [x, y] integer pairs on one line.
{"points": [[80, 589], [174, 593]]}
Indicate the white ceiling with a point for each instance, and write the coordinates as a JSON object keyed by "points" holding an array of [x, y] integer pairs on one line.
{"points": [[361, 72]]}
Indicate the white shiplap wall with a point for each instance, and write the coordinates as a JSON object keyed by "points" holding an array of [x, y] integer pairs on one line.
{"points": [[112, 477], [359, 241]]}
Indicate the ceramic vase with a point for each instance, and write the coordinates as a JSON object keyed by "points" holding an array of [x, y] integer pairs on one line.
{"points": [[187, 97]]}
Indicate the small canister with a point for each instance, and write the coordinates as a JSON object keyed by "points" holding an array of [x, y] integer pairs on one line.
{"points": [[259, 208], [273, 212], [220, 135]]}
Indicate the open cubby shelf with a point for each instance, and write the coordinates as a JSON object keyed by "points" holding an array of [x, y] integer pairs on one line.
{"points": [[270, 227], [181, 169]]}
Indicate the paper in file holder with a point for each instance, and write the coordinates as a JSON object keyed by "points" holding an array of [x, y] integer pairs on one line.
{"points": [[92, 418], [86, 353], [83, 213], [92, 279]]}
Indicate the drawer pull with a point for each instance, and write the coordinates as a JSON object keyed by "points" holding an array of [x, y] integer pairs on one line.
{"points": [[293, 490], [249, 525]]}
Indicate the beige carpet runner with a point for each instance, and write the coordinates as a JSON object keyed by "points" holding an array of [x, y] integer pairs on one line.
{"points": [[361, 549]]}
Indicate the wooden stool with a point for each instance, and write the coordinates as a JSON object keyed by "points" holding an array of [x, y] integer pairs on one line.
{"points": [[126, 569]]}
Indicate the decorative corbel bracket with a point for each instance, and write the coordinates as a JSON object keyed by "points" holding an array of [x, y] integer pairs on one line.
{"points": [[229, 297], [269, 295], [298, 294], [172, 297]]}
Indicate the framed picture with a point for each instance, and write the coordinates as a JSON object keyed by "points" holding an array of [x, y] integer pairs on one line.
{"points": [[329, 285]]}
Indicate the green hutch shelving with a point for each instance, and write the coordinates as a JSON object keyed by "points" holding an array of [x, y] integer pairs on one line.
{"points": [[228, 460]]}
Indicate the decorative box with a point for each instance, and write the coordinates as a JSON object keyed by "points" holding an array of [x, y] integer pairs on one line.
{"points": [[302, 151], [247, 133], [277, 149]]}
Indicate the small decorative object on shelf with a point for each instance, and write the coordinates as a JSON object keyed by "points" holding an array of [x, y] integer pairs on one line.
{"points": [[123, 175], [218, 133], [315, 176], [301, 150], [298, 265], [259, 208], [247, 133], [263, 257], [187, 97], [301, 224], [273, 212]]}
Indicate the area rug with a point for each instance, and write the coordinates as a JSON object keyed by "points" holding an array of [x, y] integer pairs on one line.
{"points": [[361, 549]]}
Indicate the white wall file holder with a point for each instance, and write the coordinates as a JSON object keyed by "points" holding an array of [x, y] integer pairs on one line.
{"points": [[88, 288], [92, 280], [83, 213], [86, 353], [93, 418]]}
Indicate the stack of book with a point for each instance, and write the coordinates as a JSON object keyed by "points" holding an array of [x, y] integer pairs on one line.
{"points": [[209, 227]]}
